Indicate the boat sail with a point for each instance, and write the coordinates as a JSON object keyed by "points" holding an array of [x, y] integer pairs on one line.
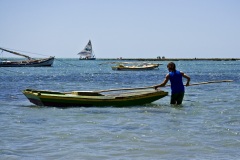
{"points": [[87, 52], [30, 62]]}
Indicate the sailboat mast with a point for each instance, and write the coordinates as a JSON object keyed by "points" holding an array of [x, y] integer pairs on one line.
{"points": [[16, 53]]}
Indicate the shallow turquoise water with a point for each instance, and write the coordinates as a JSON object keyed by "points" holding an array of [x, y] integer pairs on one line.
{"points": [[206, 126]]}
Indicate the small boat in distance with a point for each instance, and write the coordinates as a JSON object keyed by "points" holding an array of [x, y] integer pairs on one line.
{"points": [[87, 52], [30, 62], [92, 98], [135, 67]]}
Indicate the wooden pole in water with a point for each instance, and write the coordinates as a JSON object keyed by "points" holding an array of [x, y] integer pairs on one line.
{"points": [[194, 84], [219, 81], [97, 92]]}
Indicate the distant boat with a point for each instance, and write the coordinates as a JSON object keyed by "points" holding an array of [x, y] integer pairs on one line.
{"points": [[30, 62], [87, 52], [137, 67]]}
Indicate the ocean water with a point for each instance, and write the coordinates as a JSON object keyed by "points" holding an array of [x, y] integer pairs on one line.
{"points": [[205, 126]]}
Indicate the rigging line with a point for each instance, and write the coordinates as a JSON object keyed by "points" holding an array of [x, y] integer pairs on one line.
{"points": [[26, 52], [1, 55], [67, 63]]}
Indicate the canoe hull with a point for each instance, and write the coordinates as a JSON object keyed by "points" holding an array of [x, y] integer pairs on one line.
{"points": [[135, 68], [132, 69], [93, 58], [59, 99]]}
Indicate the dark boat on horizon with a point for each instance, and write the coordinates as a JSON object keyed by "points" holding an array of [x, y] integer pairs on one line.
{"points": [[29, 62]]}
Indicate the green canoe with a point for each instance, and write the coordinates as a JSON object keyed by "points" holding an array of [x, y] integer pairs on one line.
{"points": [[91, 98]]}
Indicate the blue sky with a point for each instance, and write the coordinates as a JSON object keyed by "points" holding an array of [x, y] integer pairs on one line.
{"points": [[122, 28]]}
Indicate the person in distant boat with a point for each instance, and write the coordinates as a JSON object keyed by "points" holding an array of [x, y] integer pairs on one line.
{"points": [[177, 86]]}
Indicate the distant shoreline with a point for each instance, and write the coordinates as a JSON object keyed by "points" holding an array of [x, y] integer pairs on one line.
{"points": [[150, 59], [173, 59]]}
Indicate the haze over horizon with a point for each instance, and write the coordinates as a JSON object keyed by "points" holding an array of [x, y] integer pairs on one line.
{"points": [[128, 29]]}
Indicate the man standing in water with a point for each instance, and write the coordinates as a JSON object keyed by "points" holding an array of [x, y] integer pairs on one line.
{"points": [[177, 86]]}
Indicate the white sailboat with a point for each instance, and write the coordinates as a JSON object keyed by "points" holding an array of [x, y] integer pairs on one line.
{"points": [[87, 52]]}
